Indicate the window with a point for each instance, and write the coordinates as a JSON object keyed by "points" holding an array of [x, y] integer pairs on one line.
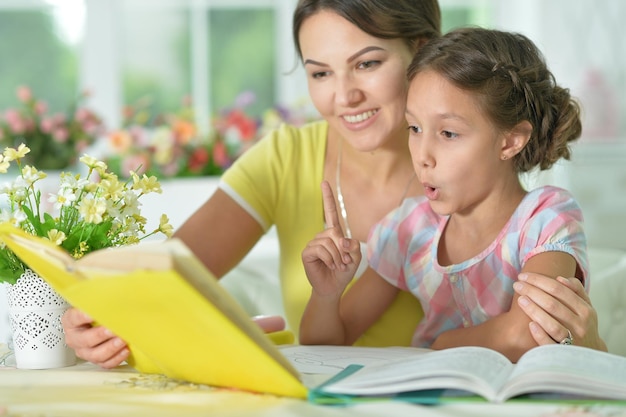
{"points": [[39, 50]]}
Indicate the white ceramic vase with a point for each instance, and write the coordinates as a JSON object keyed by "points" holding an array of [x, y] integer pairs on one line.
{"points": [[35, 311]]}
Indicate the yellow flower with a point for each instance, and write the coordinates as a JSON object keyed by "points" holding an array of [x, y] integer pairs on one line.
{"points": [[92, 209], [164, 226], [56, 236], [146, 184], [112, 188], [94, 164], [4, 165], [11, 154]]}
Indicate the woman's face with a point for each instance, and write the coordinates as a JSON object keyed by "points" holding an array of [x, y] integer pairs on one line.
{"points": [[356, 81]]}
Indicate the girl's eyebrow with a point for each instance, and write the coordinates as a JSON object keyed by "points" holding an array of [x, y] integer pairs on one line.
{"points": [[350, 58]]}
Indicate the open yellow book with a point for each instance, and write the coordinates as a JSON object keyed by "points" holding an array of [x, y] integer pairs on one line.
{"points": [[172, 312]]}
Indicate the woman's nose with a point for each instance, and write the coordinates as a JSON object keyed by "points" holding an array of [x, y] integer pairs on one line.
{"points": [[347, 92]]}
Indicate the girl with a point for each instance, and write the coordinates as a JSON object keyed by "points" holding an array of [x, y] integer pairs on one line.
{"points": [[481, 108]]}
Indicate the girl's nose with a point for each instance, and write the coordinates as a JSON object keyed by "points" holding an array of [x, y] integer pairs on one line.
{"points": [[422, 152]]}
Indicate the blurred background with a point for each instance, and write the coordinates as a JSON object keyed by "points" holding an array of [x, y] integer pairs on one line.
{"points": [[145, 58]]}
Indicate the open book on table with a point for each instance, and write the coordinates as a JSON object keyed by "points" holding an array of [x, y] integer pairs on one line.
{"points": [[172, 312], [555, 372]]}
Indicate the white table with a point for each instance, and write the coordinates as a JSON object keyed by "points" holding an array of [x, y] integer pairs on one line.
{"points": [[86, 390]]}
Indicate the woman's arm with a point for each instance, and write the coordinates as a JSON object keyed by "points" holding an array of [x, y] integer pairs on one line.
{"points": [[508, 333], [220, 233], [555, 304]]}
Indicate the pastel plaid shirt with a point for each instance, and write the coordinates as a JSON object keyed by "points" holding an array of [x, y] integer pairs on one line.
{"points": [[402, 248]]}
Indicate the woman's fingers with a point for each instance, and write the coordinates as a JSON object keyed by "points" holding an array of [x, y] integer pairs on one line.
{"points": [[270, 324], [94, 344], [557, 308]]}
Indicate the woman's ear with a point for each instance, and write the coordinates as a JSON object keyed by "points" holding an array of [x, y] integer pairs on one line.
{"points": [[418, 43], [516, 139]]}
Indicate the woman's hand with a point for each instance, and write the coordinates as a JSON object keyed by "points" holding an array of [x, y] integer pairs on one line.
{"points": [[92, 343], [557, 306]]}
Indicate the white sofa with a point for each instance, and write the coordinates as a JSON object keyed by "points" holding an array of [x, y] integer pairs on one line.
{"points": [[608, 295]]}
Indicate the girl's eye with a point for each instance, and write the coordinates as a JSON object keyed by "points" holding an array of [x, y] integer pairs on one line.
{"points": [[415, 129], [449, 135]]}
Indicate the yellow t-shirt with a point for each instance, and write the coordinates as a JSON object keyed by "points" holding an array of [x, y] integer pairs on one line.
{"points": [[278, 182]]}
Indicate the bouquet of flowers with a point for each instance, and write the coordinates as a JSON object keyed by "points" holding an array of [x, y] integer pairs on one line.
{"points": [[171, 145], [86, 214], [168, 145], [55, 140]]}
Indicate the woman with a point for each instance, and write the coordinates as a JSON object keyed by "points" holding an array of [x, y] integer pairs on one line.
{"points": [[460, 249], [359, 87]]}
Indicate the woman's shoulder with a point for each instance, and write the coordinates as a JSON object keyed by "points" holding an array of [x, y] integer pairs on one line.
{"points": [[312, 134]]}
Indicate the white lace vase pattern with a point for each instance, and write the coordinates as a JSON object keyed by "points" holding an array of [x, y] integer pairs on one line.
{"points": [[35, 311]]}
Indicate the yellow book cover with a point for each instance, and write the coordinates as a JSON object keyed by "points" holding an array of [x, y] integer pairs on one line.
{"points": [[172, 312]]}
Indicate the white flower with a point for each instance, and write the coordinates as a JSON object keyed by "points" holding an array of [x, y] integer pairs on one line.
{"points": [[65, 198], [131, 204], [31, 175], [15, 217]]}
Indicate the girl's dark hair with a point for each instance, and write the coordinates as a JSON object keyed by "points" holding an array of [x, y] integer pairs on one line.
{"points": [[512, 83], [414, 21]]}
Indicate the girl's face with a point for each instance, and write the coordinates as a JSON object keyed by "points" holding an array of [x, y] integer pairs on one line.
{"points": [[455, 149], [356, 81]]}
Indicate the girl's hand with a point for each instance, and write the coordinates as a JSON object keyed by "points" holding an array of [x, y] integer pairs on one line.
{"points": [[556, 306], [330, 259]]}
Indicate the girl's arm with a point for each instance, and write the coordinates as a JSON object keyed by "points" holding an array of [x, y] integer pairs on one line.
{"points": [[330, 261], [509, 332], [336, 320]]}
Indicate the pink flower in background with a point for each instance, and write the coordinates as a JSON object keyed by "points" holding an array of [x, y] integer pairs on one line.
{"points": [[41, 107], [56, 141], [220, 155], [175, 146], [61, 135], [47, 124], [24, 94]]}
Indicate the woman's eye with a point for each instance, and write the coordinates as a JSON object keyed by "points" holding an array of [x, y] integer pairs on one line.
{"points": [[319, 74], [415, 129], [368, 64]]}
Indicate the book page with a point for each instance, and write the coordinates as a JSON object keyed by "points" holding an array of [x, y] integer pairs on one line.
{"points": [[568, 370], [474, 369], [148, 255], [329, 360]]}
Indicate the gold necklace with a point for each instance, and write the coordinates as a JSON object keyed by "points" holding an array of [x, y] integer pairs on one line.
{"points": [[342, 205]]}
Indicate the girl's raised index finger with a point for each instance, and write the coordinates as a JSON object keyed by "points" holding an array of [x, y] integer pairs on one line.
{"points": [[330, 208]]}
